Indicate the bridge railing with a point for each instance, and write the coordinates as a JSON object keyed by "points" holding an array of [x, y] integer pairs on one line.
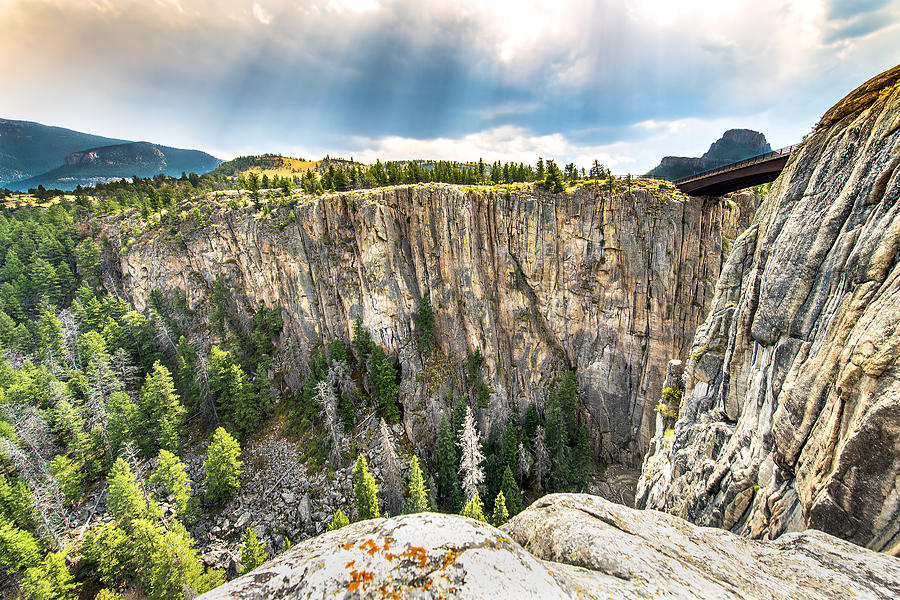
{"points": [[737, 165]]}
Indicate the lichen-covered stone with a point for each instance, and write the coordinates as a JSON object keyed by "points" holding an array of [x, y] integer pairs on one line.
{"points": [[572, 546], [426, 555], [791, 416]]}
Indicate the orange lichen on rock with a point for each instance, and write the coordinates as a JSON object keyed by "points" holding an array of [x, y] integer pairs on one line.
{"points": [[360, 578], [369, 546], [417, 553], [347, 546]]}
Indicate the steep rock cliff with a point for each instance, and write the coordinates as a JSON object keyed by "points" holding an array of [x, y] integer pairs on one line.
{"points": [[610, 284], [791, 416], [566, 546]]}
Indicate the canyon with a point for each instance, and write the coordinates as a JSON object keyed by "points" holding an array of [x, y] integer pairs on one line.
{"points": [[611, 284]]}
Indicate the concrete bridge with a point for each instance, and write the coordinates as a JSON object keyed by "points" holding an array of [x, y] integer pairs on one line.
{"points": [[737, 176]]}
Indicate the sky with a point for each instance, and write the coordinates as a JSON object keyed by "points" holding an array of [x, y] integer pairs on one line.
{"points": [[621, 82]]}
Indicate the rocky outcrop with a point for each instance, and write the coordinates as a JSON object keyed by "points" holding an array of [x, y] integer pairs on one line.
{"points": [[612, 285], [566, 546], [791, 416], [734, 145], [135, 152]]}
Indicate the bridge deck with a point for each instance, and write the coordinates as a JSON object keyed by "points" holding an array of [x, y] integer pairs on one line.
{"points": [[737, 176]]}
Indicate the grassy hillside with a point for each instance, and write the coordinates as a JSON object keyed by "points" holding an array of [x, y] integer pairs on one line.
{"points": [[267, 164]]}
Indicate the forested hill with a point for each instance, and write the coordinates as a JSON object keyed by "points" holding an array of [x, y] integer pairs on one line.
{"points": [[28, 149], [33, 155]]}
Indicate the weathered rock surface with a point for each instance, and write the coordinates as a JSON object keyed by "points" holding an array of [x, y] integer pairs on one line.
{"points": [[612, 285], [572, 546], [791, 416]]}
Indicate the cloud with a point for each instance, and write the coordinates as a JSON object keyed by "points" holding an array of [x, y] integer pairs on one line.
{"points": [[262, 15], [353, 6], [575, 77], [176, 4]]}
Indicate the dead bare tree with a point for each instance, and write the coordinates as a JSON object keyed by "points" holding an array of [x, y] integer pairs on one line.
{"points": [[541, 458], [525, 463], [327, 400], [30, 457], [124, 368], [70, 336], [391, 480]]}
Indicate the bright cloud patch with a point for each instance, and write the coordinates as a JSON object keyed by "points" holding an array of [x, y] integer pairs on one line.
{"points": [[353, 6], [442, 78], [262, 15]]}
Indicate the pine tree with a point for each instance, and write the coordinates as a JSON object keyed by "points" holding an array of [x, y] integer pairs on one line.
{"points": [[474, 509], [560, 453], [541, 459], [459, 417], [223, 466], [471, 457], [425, 324], [253, 553], [554, 180], [362, 341], [392, 481], [18, 548], [125, 499], [501, 514], [339, 520], [231, 391], [50, 580], [418, 493], [581, 459], [511, 492], [49, 335], [170, 475], [384, 377], [449, 492], [120, 424], [366, 490], [253, 186], [337, 352], [560, 430], [509, 449], [160, 412]]}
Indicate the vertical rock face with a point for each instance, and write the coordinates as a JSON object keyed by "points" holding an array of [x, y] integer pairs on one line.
{"points": [[610, 285], [791, 415]]}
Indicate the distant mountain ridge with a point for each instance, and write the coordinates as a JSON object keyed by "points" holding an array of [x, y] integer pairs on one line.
{"points": [[28, 149], [734, 145], [32, 154]]}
